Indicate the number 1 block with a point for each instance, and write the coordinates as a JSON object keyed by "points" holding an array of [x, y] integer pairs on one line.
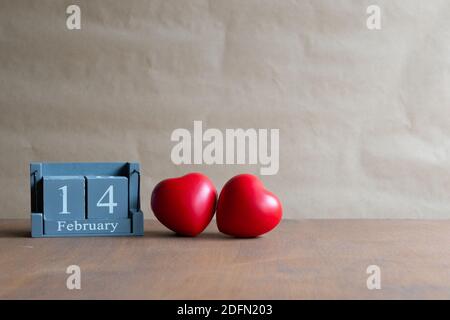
{"points": [[107, 197], [64, 197]]}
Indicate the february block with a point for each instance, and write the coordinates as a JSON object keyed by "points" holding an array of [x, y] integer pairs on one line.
{"points": [[88, 226], [107, 197], [64, 197]]}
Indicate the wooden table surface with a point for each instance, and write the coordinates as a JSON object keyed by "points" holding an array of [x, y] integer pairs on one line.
{"points": [[307, 259]]}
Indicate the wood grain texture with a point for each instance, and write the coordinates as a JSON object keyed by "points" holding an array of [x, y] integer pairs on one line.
{"points": [[308, 259]]}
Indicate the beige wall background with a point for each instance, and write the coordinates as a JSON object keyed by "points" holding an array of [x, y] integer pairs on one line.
{"points": [[364, 116]]}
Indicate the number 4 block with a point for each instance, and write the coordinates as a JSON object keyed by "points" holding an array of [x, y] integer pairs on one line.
{"points": [[107, 197], [64, 197]]}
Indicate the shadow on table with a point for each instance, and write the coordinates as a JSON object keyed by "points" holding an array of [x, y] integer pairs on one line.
{"points": [[18, 233]]}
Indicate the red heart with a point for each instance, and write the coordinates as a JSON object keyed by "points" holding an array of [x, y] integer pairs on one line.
{"points": [[186, 204], [246, 209]]}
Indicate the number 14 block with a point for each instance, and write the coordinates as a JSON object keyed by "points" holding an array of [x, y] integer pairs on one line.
{"points": [[106, 197]]}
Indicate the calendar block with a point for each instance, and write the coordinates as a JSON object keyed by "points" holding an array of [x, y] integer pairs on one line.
{"points": [[85, 199], [64, 197], [107, 197]]}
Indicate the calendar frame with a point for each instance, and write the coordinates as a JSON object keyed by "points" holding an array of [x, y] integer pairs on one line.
{"points": [[126, 169]]}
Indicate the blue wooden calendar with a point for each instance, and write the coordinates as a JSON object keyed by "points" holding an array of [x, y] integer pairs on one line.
{"points": [[85, 199]]}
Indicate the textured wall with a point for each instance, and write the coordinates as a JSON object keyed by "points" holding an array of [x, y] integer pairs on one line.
{"points": [[364, 116]]}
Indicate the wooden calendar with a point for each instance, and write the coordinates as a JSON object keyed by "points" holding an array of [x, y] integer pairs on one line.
{"points": [[85, 199]]}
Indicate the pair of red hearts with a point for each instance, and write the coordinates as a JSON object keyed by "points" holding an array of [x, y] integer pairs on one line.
{"points": [[187, 204]]}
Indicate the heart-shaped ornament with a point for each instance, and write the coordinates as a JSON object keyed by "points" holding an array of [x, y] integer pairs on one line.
{"points": [[246, 209], [186, 204]]}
